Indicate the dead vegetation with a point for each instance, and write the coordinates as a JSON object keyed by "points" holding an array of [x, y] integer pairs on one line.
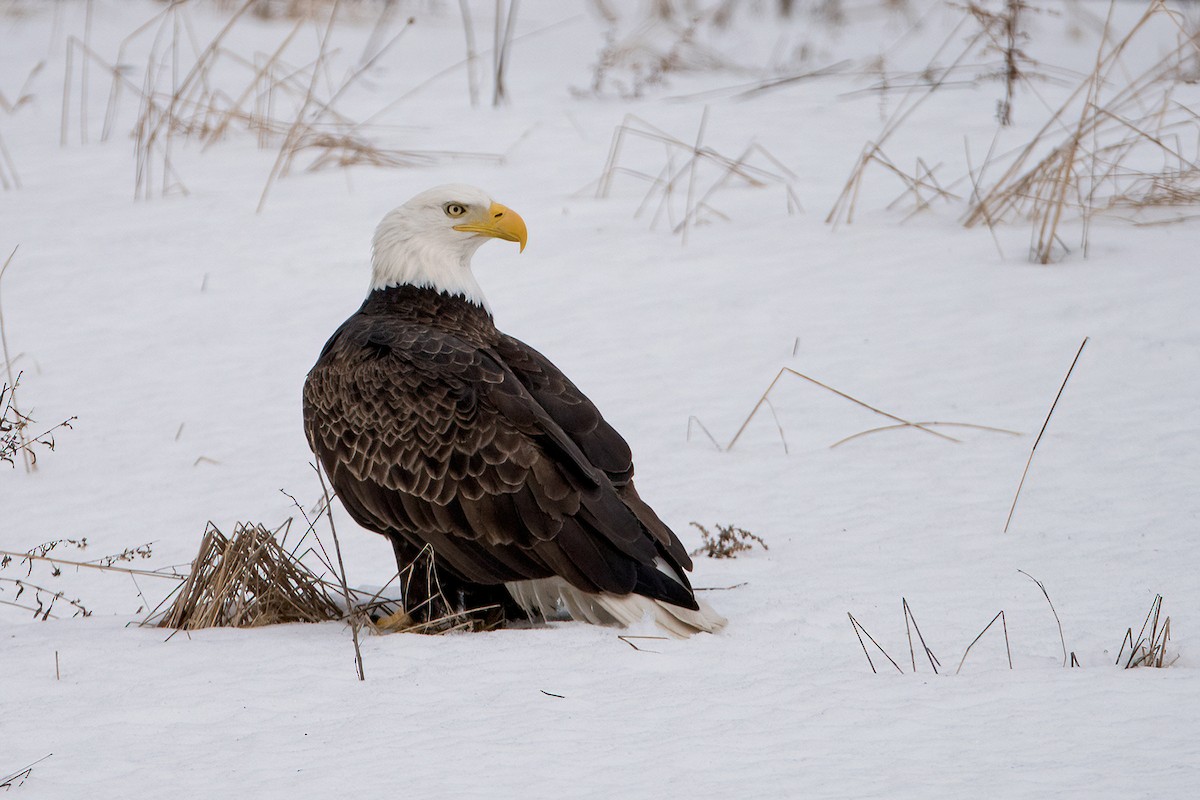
{"points": [[203, 93], [1119, 145], [16, 437], [39, 600], [684, 189], [642, 58], [1017, 495], [901, 423], [1006, 36], [253, 577], [910, 626], [728, 542], [16, 780], [247, 580], [1149, 649]]}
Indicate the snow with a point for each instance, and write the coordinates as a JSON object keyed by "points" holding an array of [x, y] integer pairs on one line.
{"points": [[179, 330]]}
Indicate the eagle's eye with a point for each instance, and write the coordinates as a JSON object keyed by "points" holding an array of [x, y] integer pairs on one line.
{"points": [[454, 209]]}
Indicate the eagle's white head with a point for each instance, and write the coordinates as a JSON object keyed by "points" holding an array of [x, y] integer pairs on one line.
{"points": [[429, 240]]}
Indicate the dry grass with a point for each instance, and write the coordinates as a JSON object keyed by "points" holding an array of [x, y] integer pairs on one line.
{"points": [[253, 578], [247, 580], [15, 437], [1007, 648], [1017, 495], [684, 189], [17, 779], [205, 93], [39, 600], [728, 541], [1149, 649], [919, 88], [631, 64], [1117, 144], [920, 644], [765, 399]]}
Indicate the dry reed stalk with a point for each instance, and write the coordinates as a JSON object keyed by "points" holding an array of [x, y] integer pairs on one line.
{"points": [[1012, 509], [1053, 610], [337, 547], [283, 159], [17, 779], [844, 206], [469, 32], [66, 562], [696, 420], [629, 641], [1007, 648], [789, 371], [909, 617], [859, 630], [503, 35], [882, 428], [675, 177], [1090, 168]]}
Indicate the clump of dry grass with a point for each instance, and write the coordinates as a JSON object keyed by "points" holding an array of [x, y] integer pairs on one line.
{"points": [[629, 65], [693, 173], [728, 541], [1149, 649], [246, 580], [203, 93], [1117, 144], [253, 578], [994, 32]]}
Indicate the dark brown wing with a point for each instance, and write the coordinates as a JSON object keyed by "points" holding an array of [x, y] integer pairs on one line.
{"points": [[579, 418], [429, 437]]}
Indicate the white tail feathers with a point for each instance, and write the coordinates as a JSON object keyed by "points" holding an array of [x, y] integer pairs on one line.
{"points": [[546, 595]]}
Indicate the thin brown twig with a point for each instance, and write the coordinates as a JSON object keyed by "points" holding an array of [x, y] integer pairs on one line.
{"points": [[337, 546], [1004, 624], [789, 370], [857, 628], [1053, 610], [1033, 449], [989, 428]]}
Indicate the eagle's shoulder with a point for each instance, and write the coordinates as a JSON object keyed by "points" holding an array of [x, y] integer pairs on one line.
{"points": [[569, 407]]}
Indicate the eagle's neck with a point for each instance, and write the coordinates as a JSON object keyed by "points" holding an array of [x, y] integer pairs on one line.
{"points": [[402, 257], [442, 310]]}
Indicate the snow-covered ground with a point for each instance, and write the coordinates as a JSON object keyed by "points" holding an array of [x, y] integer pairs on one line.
{"points": [[179, 329]]}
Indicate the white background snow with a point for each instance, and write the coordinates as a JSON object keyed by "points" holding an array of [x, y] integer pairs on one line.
{"points": [[179, 330]]}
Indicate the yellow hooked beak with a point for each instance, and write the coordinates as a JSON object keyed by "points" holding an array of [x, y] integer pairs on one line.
{"points": [[500, 222]]}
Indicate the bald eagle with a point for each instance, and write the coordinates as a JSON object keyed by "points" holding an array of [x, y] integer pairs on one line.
{"points": [[444, 434]]}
